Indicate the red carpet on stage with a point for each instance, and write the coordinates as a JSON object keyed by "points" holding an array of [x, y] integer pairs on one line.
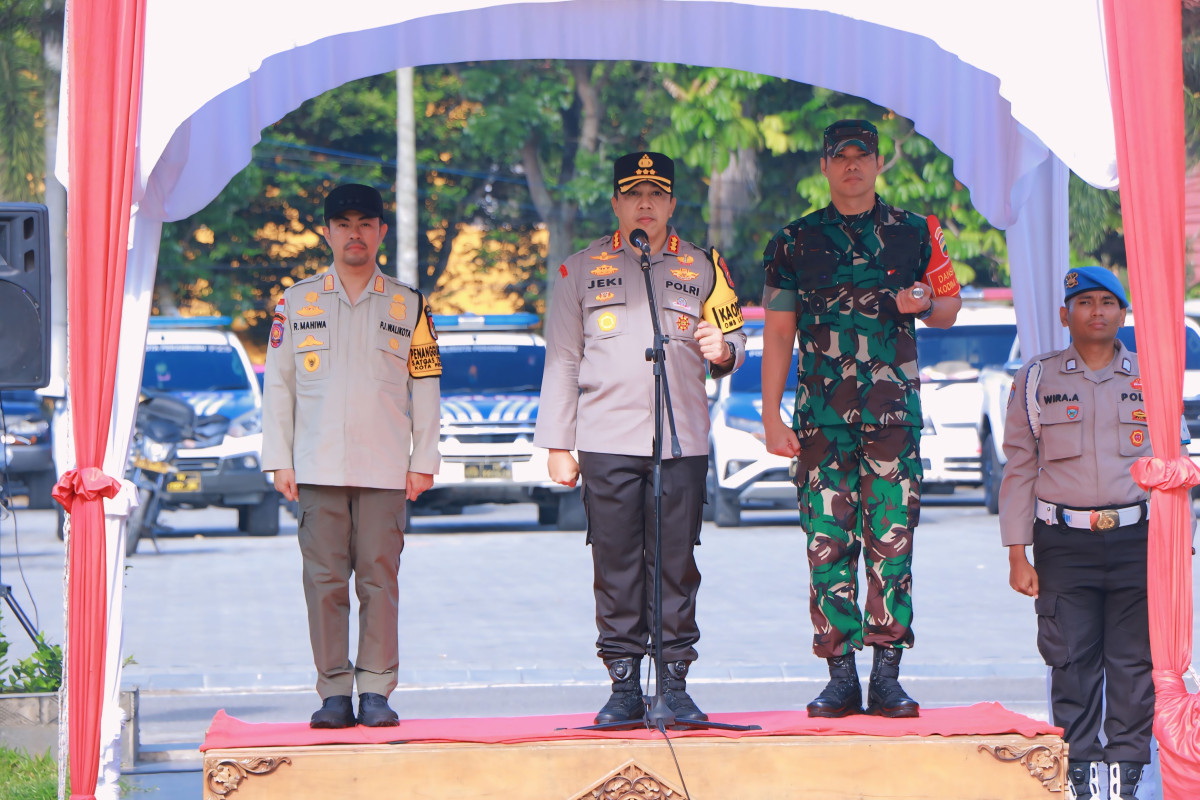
{"points": [[981, 719]]}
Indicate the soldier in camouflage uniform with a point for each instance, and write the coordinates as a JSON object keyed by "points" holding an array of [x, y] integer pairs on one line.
{"points": [[850, 279]]}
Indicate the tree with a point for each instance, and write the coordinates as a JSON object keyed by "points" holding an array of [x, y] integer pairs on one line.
{"points": [[29, 31]]}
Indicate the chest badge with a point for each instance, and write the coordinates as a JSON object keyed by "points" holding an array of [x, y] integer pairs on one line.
{"points": [[605, 256], [276, 333], [311, 362], [1072, 413], [683, 323], [685, 274], [607, 269], [1136, 383], [311, 341], [1137, 438], [686, 258], [310, 308], [393, 343], [1139, 415], [397, 310], [607, 321], [604, 296]]}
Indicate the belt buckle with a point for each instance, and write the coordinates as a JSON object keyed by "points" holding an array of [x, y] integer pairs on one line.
{"points": [[1105, 520]]}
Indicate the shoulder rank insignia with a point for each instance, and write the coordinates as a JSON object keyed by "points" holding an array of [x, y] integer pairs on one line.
{"points": [[310, 308], [379, 284], [685, 274], [607, 269], [328, 286], [672, 244], [605, 256]]}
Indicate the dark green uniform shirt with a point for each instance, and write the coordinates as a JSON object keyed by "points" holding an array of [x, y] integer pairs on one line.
{"points": [[840, 276]]}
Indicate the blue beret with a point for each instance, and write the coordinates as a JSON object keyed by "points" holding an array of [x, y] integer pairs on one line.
{"points": [[1089, 279]]}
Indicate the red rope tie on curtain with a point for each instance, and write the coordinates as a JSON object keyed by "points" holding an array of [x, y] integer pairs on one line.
{"points": [[1151, 472], [89, 483]]}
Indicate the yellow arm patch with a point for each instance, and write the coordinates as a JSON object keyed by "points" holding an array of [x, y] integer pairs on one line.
{"points": [[721, 308], [424, 358]]}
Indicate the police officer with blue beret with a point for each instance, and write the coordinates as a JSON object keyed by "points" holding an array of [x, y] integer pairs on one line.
{"points": [[1076, 422]]}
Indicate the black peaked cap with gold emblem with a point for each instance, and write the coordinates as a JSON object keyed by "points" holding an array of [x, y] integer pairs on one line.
{"points": [[632, 169]]}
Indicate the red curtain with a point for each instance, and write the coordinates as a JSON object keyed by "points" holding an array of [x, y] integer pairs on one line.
{"points": [[104, 44], [1146, 75]]}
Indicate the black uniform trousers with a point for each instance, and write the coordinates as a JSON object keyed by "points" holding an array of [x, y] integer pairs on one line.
{"points": [[1094, 633], [619, 495]]}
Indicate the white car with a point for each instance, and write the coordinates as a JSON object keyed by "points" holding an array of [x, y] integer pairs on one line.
{"points": [[491, 377], [201, 362], [951, 362], [996, 384], [741, 473]]}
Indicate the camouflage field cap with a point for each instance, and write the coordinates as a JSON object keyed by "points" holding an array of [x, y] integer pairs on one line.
{"points": [[851, 131]]}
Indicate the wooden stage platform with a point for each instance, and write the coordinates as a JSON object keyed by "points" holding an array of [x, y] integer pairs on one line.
{"points": [[979, 752]]}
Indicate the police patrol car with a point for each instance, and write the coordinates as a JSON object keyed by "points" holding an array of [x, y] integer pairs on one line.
{"points": [[197, 360], [491, 377], [740, 470]]}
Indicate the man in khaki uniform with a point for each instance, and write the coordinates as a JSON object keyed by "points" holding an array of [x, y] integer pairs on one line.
{"points": [[1076, 422], [598, 398], [350, 429]]}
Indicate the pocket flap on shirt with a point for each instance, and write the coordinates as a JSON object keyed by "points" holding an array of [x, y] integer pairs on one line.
{"points": [[1133, 413], [603, 296]]}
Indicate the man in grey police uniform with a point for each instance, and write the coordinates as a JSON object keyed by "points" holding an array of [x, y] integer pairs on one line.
{"points": [[1076, 422], [598, 398], [352, 407]]}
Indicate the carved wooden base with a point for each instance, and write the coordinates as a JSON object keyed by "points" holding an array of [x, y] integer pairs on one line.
{"points": [[764, 768]]}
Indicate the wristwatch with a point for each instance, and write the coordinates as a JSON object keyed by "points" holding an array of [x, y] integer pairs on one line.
{"points": [[732, 351], [927, 312]]}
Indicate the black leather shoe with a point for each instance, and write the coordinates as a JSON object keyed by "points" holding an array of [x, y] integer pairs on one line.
{"points": [[625, 703], [374, 711], [842, 696], [885, 696], [335, 712], [675, 693]]}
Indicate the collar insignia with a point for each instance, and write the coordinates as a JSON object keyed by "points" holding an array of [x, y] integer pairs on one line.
{"points": [[616, 240], [1070, 363], [379, 284], [1125, 365], [328, 283], [673, 244]]}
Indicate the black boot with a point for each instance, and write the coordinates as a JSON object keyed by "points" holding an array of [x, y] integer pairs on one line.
{"points": [[1083, 780], [626, 701], [885, 696], [675, 693], [843, 694], [1123, 777]]}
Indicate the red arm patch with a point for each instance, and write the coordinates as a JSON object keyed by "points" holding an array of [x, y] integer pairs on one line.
{"points": [[939, 273]]}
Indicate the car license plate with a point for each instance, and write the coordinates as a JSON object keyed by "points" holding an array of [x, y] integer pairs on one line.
{"points": [[184, 482], [151, 466], [501, 470]]}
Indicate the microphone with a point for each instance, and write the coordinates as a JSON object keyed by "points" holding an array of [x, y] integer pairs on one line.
{"points": [[640, 240]]}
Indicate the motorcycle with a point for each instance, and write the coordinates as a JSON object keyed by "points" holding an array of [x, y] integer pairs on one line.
{"points": [[162, 423]]}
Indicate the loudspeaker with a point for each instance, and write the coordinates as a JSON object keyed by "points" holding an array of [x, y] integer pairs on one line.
{"points": [[24, 296]]}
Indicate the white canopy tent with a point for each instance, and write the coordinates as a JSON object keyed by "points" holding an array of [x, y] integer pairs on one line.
{"points": [[1016, 104]]}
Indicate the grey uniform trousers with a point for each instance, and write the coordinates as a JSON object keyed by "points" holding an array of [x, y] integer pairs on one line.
{"points": [[344, 530], [1094, 633], [619, 495]]}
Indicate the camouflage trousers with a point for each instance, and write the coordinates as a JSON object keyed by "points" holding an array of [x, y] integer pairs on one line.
{"points": [[859, 490]]}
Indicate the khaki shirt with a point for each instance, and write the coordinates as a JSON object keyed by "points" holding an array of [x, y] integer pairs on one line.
{"points": [[1093, 427], [598, 388], [351, 391]]}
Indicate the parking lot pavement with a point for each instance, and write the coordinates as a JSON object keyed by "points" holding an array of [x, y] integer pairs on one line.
{"points": [[497, 618]]}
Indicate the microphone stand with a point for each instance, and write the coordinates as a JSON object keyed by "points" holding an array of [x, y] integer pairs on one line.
{"points": [[658, 714]]}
